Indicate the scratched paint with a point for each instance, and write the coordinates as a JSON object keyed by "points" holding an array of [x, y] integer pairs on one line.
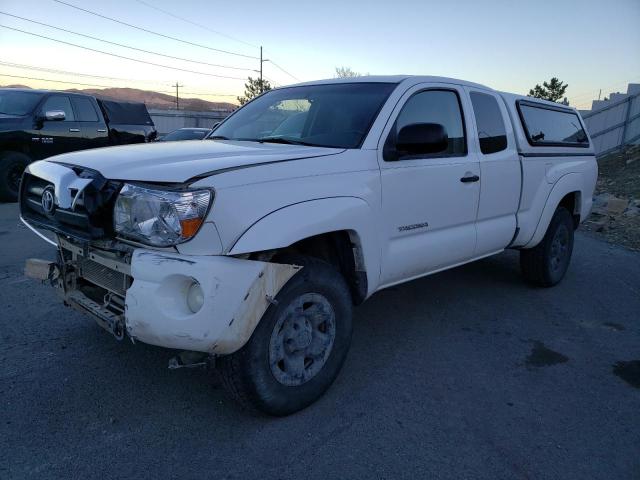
{"points": [[237, 293], [259, 296]]}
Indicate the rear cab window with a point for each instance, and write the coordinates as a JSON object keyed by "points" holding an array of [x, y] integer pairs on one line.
{"points": [[547, 125], [85, 110], [492, 133]]}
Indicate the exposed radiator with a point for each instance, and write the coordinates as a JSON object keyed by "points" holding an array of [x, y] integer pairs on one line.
{"points": [[104, 277]]}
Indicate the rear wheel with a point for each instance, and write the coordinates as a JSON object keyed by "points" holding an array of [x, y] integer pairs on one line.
{"points": [[299, 346], [546, 264], [12, 165]]}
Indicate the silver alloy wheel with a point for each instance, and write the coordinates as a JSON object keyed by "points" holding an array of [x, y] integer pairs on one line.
{"points": [[559, 248], [302, 339]]}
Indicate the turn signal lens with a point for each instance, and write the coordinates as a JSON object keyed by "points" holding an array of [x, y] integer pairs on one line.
{"points": [[190, 226]]}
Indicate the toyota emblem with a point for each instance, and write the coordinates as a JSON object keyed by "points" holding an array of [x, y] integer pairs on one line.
{"points": [[47, 201]]}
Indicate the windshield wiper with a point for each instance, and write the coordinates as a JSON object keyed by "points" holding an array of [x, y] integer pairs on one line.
{"points": [[286, 141]]}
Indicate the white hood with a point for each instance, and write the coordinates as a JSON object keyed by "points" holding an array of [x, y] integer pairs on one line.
{"points": [[174, 162]]}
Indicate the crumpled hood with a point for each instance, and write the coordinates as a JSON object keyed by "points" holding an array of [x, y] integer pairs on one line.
{"points": [[174, 162]]}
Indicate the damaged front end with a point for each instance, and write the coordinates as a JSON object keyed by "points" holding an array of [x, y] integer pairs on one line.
{"points": [[90, 280], [203, 303], [76, 205]]}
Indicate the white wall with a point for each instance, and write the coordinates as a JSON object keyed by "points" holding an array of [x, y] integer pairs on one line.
{"points": [[616, 121], [169, 120]]}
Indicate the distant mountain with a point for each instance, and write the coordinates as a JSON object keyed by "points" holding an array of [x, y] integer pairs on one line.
{"points": [[14, 86], [150, 98]]}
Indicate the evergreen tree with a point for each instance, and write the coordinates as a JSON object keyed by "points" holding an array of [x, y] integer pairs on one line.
{"points": [[253, 88], [552, 90]]}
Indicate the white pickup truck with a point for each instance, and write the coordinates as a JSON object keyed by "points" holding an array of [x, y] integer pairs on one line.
{"points": [[252, 245]]}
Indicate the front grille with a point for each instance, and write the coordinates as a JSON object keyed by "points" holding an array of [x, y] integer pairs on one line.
{"points": [[89, 218], [74, 222], [102, 276]]}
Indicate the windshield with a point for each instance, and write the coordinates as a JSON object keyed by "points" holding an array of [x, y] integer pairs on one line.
{"points": [[18, 103], [333, 115], [185, 134]]}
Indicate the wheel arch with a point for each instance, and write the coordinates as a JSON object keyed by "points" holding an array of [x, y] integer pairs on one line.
{"points": [[15, 142], [339, 230], [567, 192]]}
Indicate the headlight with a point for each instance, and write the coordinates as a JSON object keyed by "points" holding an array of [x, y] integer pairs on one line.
{"points": [[159, 217]]}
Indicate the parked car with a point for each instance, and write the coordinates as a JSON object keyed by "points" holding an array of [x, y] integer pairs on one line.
{"points": [[36, 124], [185, 134], [252, 247]]}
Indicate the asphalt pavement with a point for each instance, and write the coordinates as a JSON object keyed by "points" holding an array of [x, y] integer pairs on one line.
{"points": [[467, 374]]}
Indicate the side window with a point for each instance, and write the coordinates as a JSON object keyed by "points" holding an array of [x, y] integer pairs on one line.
{"points": [[436, 106], [85, 109], [547, 125], [491, 131], [59, 102]]}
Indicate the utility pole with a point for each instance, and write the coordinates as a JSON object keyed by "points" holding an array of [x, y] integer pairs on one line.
{"points": [[177, 97], [261, 62], [261, 68]]}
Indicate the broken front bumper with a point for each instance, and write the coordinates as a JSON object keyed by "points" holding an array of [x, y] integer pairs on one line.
{"points": [[146, 294]]}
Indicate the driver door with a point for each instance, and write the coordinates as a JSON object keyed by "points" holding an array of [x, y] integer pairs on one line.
{"points": [[59, 136], [429, 201]]}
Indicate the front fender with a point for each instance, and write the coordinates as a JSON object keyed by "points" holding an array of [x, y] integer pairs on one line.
{"points": [[296, 222]]}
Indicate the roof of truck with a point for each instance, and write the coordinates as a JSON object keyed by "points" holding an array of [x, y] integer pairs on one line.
{"points": [[513, 97], [393, 79], [41, 90], [431, 79]]}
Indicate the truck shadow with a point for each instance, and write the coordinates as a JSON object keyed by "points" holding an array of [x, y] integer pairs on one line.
{"points": [[122, 387], [442, 345], [139, 373]]}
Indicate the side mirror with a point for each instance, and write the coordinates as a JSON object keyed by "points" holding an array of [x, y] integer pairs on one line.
{"points": [[54, 115], [215, 125], [421, 138]]}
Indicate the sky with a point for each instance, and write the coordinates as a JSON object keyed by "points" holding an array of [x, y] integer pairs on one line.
{"points": [[506, 45]]}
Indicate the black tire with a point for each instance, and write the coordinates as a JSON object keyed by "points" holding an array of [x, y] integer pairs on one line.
{"points": [[546, 264], [12, 164], [250, 374]]}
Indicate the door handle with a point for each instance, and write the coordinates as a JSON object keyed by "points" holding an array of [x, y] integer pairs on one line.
{"points": [[470, 178], [101, 130], [74, 130]]}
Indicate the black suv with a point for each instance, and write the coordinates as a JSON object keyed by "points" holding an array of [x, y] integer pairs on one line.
{"points": [[36, 124]]}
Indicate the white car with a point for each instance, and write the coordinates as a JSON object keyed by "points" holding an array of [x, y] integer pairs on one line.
{"points": [[253, 245]]}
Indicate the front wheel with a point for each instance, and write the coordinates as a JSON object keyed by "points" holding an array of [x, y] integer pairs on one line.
{"points": [[12, 164], [299, 346], [546, 264]]}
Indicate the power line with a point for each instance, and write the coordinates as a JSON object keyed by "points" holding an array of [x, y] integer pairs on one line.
{"points": [[125, 46], [592, 92], [273, 83], [60, 81], [278, 66], [108, 86], [211, 94], [64, 72], [155, 33], [121, 56], [195, 23], [174, 38]]}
